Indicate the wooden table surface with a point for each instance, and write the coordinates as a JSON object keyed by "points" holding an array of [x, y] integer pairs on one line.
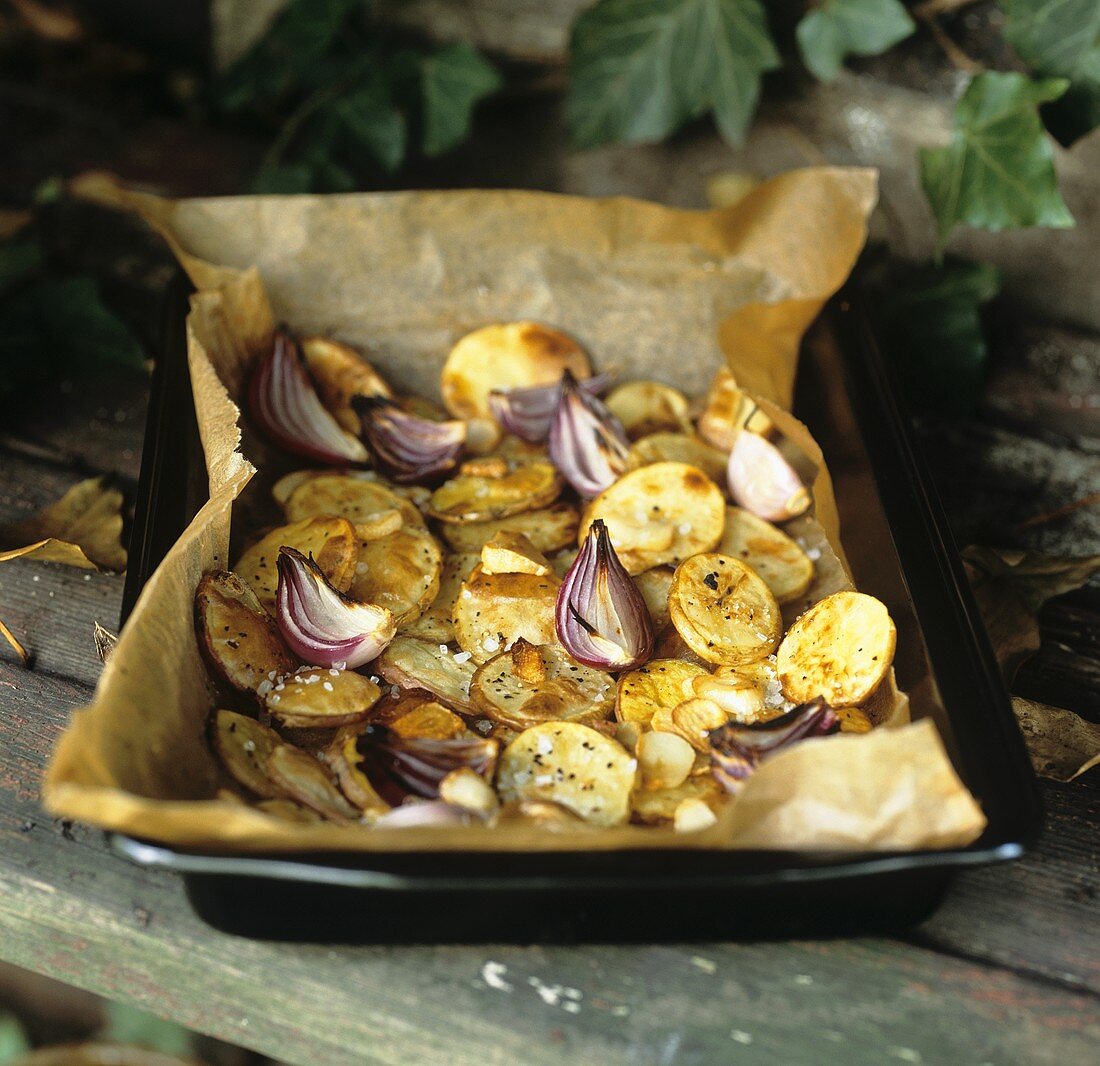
{"points": [[1008, 970]]}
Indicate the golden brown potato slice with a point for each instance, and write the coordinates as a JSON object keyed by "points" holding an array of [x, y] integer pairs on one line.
{"points": [[493, 611], [549, 530], [413, 663], [658, 806], [506, 356], [373, 504], [430, 721], [718, 423], [513, 553], [840, 650], [341, 373], [346, 762], [520, 694], [331, 542], [784, 566], [660, 683], [400, 571], [304, 779], [240, 640], [244, 745], [645, 407], [723, 610], [659, 514], [654, 585], [572, 765], [854, 720], [318, 698], [680, 448], [481, 499], [359, 500], [435, 625]]}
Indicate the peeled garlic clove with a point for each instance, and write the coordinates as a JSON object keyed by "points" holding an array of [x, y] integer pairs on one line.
{"points": [[405, 446], [528, 412], [586, 443], [600, 616], [284, 404], [320, 624], [762, 481]]}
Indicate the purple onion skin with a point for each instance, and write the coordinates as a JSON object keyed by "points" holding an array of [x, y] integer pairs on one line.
{"points": [[736, 750], [284, 360], [406, 447], [587, 443], [430, 815], [528, 412], [597, 571]]}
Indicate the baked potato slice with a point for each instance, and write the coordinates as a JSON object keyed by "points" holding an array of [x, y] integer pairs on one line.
{"points": [[513, 553], [723, 610], [340, 373], [506, 355], [840, 650], [400, 571], [412, 663], [718, 424], [549, 529], [659, 514], [786, 569], [429, 721], [661, 683], [331, 542], [244, 745], [435, 625], [680, 448], [645, 407], [471, 498], [528, 685], [360, 500], [571, 765], [658, 806], [654, 586], [306, 780], [240, 640], [317, 698], [493, 611]]}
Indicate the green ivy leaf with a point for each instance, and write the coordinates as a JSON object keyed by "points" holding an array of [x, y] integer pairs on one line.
{"points": [[129, 1025], [283, 178], [372, 123], [998, 171], [835, 29], [452, 82], [18, 259], [641, 68], [1061, 38], [930, 327], [13, 1041]]}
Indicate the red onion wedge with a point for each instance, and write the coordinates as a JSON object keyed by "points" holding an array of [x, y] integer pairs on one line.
{"points": [[600, 616], [528, 412], [587, 443], [398, 766], [736, 750], [762, 481], [405, 446], [285, 406], [320, 624], [422, 814]]}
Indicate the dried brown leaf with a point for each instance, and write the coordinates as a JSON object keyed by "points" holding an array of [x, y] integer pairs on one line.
{"points": [[1062, 745]]}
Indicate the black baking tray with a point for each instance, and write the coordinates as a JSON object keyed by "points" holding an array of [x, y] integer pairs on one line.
{"points": [[898, 542]]}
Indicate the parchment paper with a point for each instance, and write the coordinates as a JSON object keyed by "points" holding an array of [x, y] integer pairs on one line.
{"points": [[660, 292]]}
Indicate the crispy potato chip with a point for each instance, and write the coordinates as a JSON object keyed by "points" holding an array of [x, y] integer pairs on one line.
{"points": [[506, 356], [723, 610], [304, 779], [784, 566], [244, 746], [508, 691], [480, 499], [680, 448], [665, 759], [512, 553], [429, 721], [659, 514], [413, 663], [341, 373], [435, 625], [718, 423], [695, 718], [660, 683], [400, 571], [493, 611], [573, 765], [645, 407], [840, 650], [315, 697], [241, 641], [331, 542], [358, 499], [548, 530], [658, 806], [654, 585]]}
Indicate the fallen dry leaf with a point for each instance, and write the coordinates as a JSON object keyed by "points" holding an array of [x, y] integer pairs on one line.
{"points": [[105, 642], [1062, 745], [83, 529]]}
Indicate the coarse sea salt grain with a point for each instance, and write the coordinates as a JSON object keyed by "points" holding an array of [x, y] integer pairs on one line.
{"points": [[327, 686], [684, 529], [545, 745], [491, 644], [462, 657], [544, 779], [444, 650]]}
